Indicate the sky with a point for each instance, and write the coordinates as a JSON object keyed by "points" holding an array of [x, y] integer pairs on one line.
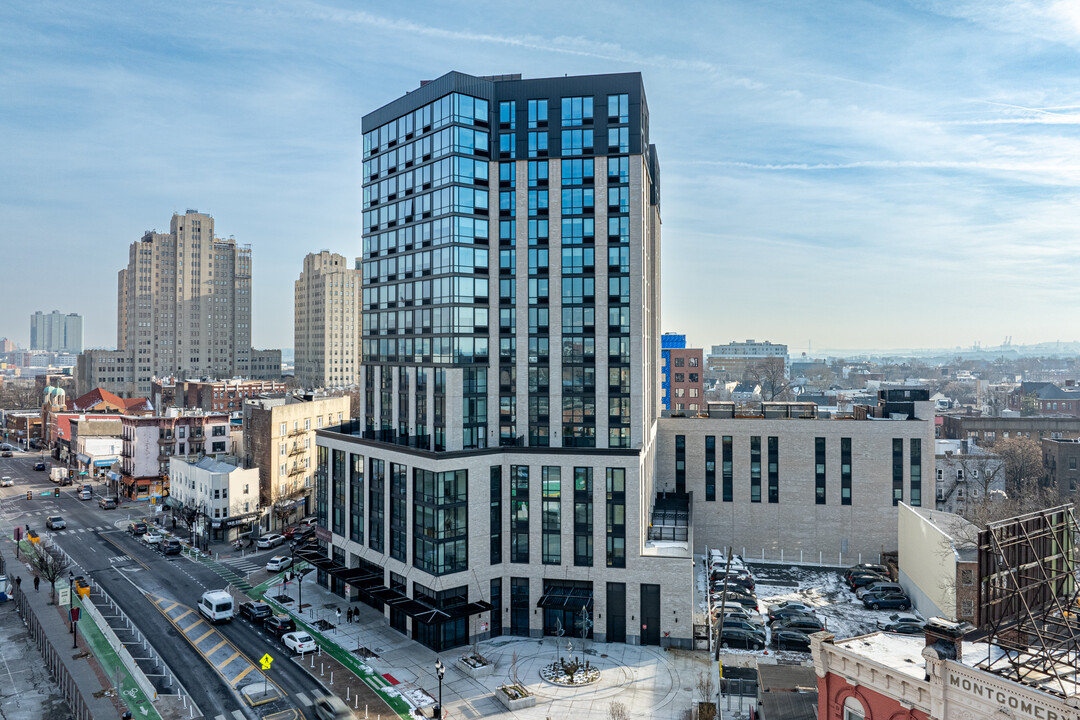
{"points": [[835, 174]]}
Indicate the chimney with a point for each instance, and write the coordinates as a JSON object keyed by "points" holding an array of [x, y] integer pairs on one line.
{"points": [[945, 637]]}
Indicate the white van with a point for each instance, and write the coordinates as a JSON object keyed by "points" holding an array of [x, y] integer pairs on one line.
{"points": [[216, 606]]}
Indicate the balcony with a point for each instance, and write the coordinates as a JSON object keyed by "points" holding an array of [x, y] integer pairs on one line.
{"points": [[166, 439]]}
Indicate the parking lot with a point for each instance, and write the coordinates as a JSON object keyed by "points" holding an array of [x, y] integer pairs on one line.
{"points": [[822, 589]]}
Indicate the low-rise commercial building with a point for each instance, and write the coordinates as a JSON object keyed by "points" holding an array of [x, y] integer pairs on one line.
{"points": [[150, 442], [218, 497]]}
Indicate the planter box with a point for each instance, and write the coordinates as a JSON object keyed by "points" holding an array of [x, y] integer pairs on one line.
{"points": [[511, 704], [475, 672]]}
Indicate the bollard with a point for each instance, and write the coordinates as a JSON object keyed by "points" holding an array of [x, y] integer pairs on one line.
{"points": [[331, 677], [346, 692], [321, 668], [192, 711], [312, 661]]}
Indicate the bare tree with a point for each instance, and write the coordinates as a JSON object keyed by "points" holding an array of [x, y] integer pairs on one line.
{"points": [[1023, 463], [49, 563], [707, 693], [618, 711], [769, 374]]}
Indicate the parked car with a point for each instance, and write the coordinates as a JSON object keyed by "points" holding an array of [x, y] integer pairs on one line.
{"points": [[904, 629], [738, 612], [107, 503], [737, 599], [6, 453], [737, 637], [278, 625], [171, 546], [299, 642], [6, 481], [55, 522], [900, 617], [876, 601], [866, 567], [137, 528], [880, 587], [745, 625], [791, 640], [789, 605], [152, 537], [803, 624], [310, 522], [256, 612], [40, 466], [289, 532], [278, 563], [860, 580], [331, 707], [775, 617], [269, 541]]}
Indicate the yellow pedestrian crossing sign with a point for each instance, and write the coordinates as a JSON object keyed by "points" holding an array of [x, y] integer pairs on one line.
{"points": [[266, 660]]}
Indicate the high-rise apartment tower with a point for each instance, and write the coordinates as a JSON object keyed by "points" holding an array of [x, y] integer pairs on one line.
{"points": [[184, 303], [502, 456], [326, 330], [55, 332]]}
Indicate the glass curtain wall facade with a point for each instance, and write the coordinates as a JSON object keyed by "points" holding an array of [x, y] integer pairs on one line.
{"points": [[502, 215]]}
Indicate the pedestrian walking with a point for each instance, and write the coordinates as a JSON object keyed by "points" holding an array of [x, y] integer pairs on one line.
{"points": [[37, 582], [18, 581], [350, 614]]}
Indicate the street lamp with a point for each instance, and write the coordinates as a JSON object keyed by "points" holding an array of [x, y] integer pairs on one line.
{"points": [[441, 670], [299, 579], [71, 602]]}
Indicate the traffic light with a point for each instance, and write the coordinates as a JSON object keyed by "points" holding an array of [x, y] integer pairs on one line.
{"points": [[71, 474], [29, 495], [56, 492]]}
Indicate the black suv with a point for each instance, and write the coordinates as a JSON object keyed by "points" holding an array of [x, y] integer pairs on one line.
{"points": [[170, 546], [137, 528], [40, 466], [256, 611], [278, 625]]}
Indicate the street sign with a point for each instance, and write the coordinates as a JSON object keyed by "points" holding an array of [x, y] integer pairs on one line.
{"points": [[63, 595], [265, 661], [74, 614]]}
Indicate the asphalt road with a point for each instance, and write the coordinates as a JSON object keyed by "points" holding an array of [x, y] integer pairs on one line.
{"points": [[126, 568]]}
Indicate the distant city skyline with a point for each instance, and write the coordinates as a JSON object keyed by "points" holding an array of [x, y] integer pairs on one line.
{"points": [[875, 175]]}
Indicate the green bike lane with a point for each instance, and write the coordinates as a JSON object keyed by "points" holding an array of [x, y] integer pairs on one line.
{"points": [[369, 677]]}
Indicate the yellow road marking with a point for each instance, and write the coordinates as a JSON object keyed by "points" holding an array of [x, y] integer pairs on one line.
{"points": [[231, 658], [171, 607], [212, 650], [205, 635], [183, 615], [242, 675], [191, 627]]}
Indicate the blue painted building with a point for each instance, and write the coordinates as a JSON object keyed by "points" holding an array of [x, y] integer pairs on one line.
{"points": [[668, 342]]}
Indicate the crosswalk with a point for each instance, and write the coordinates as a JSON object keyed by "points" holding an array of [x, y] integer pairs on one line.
{"points": [[234, 715], [228, 573], [73, 531], [245, 565]]}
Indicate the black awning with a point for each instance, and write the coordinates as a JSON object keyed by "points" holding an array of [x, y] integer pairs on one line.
{"points": [[566, 598], [358, 577], [415, 609], [473, 608], [384, 593]]}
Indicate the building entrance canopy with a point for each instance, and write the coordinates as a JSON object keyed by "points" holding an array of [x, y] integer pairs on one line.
{"points": [[371, 584]]}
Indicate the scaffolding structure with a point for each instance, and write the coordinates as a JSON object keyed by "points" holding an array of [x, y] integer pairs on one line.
{"points": [[1028, 599]]}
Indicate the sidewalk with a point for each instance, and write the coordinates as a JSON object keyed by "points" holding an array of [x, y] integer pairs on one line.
{"points": [[651, 682], [83, 670]]}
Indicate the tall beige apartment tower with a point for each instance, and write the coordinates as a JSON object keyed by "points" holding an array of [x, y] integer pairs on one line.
{"points": [[326, 334], [184, 303]]}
